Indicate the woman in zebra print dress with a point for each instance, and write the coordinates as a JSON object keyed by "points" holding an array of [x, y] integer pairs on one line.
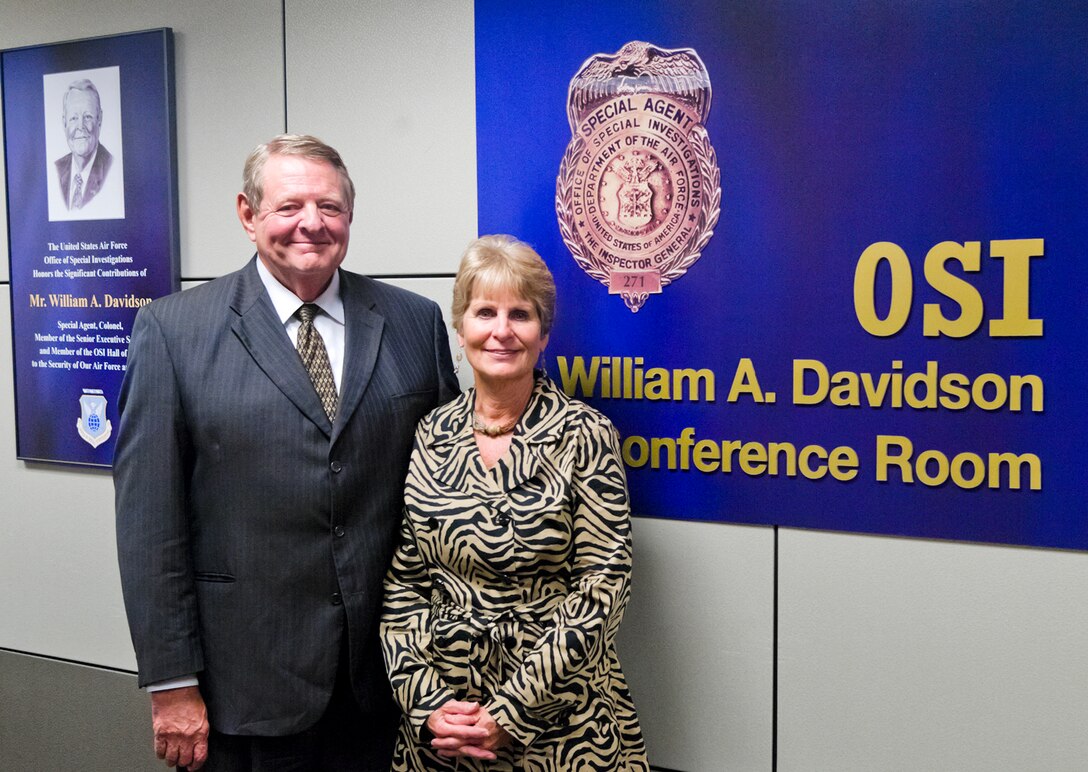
{"points": [[511, 577]]}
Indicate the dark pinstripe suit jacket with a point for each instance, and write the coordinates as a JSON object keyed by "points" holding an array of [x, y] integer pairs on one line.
{"points": [[252, 533]]}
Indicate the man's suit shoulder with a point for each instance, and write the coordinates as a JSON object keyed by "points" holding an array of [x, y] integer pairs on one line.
{"points": [[103, 161], [386, 298], [207, 292], [197, 305]]}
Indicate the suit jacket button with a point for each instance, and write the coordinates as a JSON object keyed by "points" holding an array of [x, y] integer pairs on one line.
{"points": [[338, 531], [336, 599], [336, 466]]}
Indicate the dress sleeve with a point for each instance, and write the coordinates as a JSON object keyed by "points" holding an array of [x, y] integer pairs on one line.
{"points": [[556, 674], [406, 627]]}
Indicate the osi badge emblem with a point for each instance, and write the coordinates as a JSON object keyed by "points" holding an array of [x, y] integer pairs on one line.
{"points": [[639, 191]]}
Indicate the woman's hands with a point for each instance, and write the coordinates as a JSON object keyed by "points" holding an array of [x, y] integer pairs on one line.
{"points": [[466, 729]]}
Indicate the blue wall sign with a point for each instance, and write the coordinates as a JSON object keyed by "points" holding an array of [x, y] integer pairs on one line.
{"points": [[834, 280]]}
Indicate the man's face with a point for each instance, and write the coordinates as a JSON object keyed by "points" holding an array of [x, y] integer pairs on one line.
{"points": [[301, 229], [82, 121]]}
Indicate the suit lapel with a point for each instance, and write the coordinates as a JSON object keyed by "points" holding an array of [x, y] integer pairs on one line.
{"points": [[263, 335], [95, 175], [363, 326], [64, 171]]}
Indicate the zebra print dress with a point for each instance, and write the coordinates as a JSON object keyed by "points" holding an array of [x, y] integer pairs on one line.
{"points": [[508, 587]]}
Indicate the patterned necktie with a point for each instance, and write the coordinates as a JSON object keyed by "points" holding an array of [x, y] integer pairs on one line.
{"points": [[77, 196], [316, 359]]}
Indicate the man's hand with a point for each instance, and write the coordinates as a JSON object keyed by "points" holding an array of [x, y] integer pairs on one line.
{"points": [[180, 721]]}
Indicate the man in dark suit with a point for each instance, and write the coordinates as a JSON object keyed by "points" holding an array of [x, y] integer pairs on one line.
{"points": [[82, 172], [256, 518]]}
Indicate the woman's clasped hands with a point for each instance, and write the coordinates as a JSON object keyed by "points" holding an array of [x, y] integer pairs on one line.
{"points": [[466, 729]]}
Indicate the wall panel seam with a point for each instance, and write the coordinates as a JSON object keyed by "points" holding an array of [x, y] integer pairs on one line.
{"points": [[67, 661]]}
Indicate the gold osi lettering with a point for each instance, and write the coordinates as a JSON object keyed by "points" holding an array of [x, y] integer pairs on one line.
{"points": [[1015, 321]]}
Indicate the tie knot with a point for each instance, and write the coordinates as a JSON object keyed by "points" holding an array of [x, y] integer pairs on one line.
{"points": [[307, 311]]}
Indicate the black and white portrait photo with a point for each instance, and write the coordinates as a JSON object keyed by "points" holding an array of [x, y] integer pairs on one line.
{"points": [[86, 155]]}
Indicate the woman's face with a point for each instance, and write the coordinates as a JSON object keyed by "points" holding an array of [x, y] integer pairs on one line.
{"points": [[500, 333]]}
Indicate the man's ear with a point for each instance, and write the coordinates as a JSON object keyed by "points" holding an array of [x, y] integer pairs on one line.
{"points": [[248, 217]]}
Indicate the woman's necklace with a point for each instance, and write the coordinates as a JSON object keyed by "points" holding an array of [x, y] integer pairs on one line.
{"points": [[479, 426], [491, 430]]}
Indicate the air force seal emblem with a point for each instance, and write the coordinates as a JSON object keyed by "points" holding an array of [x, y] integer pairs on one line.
{"points": [[639, 190], [92, 425]]}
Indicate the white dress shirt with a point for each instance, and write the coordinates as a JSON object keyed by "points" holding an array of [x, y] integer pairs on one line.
{"points": [[329, 323]]}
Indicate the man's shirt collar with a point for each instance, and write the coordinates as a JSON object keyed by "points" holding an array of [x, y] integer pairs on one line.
{"points": [[286, 302]]}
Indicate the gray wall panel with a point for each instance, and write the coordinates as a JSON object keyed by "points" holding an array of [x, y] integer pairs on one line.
{"points": [[909, 655], [56, 715], [392, 86], [229, 97], [60, 591], [697, 644]]}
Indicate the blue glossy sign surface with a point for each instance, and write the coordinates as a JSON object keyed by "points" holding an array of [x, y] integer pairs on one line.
{"points": [[884, 332]]}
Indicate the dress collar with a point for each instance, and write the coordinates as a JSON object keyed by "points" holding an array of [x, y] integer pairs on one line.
{"points": [[543, 423]]}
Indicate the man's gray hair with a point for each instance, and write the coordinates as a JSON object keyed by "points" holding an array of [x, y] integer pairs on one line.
{"points": [[82, 85], [301, 145]]}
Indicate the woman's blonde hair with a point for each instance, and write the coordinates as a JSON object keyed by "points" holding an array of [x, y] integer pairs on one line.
{"points": [[501, 261]]}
